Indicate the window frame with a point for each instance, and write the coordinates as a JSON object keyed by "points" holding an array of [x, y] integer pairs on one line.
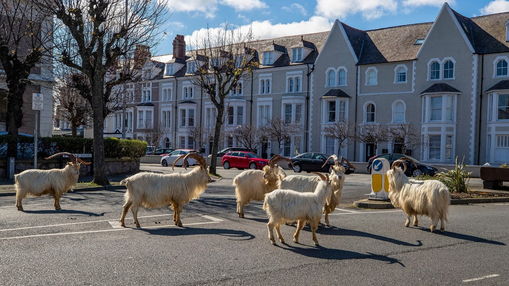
{"points": [[397, 70], [369, 71]]}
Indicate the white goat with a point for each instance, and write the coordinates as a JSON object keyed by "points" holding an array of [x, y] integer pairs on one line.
{"points": [[284, 205], [430, 197], [54, 182], [252, 185], [302, 183], [151, 190]]}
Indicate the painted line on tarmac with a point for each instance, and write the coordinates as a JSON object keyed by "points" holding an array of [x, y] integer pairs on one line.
{"points": [[25, 205], [214, 221], [481, 278], [348, 211], [361, 212]]}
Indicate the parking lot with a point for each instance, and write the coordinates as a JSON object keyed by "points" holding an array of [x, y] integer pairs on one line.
{"points": [[83, 244]]}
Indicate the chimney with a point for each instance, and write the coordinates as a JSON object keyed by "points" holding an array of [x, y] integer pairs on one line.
{"points": [[179, 47], [141, 55]]}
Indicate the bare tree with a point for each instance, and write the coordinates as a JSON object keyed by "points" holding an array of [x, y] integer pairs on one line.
{"points": [[278, 130], [23, 32], [72, 106], [93, 37], [373, 134], [154, 136], [406, 136], [197, 133], [248, 136], [340, 131], [222, 59]]}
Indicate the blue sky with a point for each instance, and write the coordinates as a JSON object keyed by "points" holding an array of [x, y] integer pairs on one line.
{"points": [[275, 18]]}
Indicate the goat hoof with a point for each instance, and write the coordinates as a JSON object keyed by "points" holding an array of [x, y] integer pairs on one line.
{"points": [[317, 244], [432, 228], [241, 215], [273, 242], [282, 241], [179, 224], [138, 225], [416, 224], [442, 229], [20, 209]]}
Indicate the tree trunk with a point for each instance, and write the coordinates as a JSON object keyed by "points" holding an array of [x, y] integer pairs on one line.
{"points": [[74, 129], [98, 113], [215, 143], [14, 113]]}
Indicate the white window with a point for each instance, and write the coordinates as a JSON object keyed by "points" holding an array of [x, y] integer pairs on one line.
{"points": [[501, 69], [434, 147], [187, 92], [165, 119], [331, 111], [235, 115], [298, 113], [342, 110], [129, 92], [210, 117], [329, 145], [436, 108], [190, 142], [440, 108], [264, 114], [186, 118], [240, 115], [129, 123], [182, 142], [287, 113], [145, 119], [331, 78], [230, 115], [146, 92], [370, 113], [371, 76], [398, 112], [287, 147], [341, 76], [166, 94], [293, 84], [169, 69], [503, 107], [236, 90], [296, 55], [448, 147], [267, 58], [118, 121], [434, 70], [448, 69], [400, 74], [265, 85]]}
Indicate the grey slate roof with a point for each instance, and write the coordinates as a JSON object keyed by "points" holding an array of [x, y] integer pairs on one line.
{"points": [[503, 84], [335, 92], [440, 87]]}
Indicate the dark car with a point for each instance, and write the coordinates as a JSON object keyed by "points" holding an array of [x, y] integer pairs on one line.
{"points": [[414, 167], [232, 149], [243, 160], [313, 162]]}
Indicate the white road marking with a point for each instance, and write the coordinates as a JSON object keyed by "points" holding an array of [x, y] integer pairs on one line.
{"points": [[481, 278], [214, 220], [13, 206], [361, 212]]}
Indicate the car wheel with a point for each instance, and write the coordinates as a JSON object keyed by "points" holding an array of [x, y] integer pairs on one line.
{"points": [[297, 168], [164, 163], [226, 165], [252, 166], [416, 173]]}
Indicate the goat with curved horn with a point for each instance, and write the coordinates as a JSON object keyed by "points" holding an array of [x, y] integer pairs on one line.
{"points": [[334, 157], [400, 164], [276, 158]]}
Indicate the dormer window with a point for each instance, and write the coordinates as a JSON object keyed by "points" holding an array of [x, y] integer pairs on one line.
{"points": [[297, 54], [168, 69], [191, 67], [419, 42], [267, 58], [146, 74]]}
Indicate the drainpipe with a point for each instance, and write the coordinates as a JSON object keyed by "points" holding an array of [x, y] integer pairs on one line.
{"points": [[251, 101], [175, 124], [355, 112], [306, 127], [201, 119], [479, 127]]}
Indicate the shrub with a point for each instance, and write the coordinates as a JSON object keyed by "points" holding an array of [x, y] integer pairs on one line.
{"points": [[456, 179]]}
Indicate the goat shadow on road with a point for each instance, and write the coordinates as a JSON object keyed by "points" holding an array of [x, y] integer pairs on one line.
{"points": [[339, 254], [230, 233], [466, 237], [75, 212], [351, 232]]}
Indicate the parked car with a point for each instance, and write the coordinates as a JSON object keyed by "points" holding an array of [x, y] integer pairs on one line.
{"points": [[243, 160], [231, 149], [414, 167], [150, 150], [163, 151], [170, 158], [313, 162]]}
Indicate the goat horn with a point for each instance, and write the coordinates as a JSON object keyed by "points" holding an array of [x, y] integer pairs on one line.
{"points": [[277, 158], [399, 163], [198, 158], [334, 157], [63, 153], [176, 160], [83, 162], [322, 176]]}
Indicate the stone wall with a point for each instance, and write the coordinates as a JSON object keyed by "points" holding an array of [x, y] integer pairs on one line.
{"points": [[113, 166]]}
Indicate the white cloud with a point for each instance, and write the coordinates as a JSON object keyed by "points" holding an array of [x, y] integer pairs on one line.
{"points": [[207, 7], [496, 6], [267, 30], [417, 3], [244, 5], [296, 7], [370, 9]]}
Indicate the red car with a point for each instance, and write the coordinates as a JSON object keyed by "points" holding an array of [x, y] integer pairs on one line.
{"points": [[243, 160]]}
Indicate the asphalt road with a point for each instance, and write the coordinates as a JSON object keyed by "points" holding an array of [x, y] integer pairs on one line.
{"points": [[83, 245]]}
